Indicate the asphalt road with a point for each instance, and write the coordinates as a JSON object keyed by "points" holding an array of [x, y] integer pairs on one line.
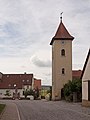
{"points": [[49, 110]]}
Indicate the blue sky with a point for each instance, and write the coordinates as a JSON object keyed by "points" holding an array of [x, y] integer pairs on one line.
{"points": [[27, 27]]}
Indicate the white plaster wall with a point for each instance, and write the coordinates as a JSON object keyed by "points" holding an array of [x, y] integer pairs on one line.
{"points": [[86, 75], [85, 90], [27, 87], [3, 91]]}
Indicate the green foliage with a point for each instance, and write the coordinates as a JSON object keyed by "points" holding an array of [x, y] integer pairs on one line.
{"points": [[7, 93], [34, 92], [2, 106], [72, 86], [67, 90], [28, 92], [25, 93]]}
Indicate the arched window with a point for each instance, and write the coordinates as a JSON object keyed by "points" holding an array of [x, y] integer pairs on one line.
{"points": [[63, 71], [63, 52]]}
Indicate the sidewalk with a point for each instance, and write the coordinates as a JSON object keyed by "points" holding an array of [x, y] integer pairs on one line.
{"points": [[10, 112]]}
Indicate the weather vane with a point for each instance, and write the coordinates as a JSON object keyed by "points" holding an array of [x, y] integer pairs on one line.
{"points": [[61, 15]]}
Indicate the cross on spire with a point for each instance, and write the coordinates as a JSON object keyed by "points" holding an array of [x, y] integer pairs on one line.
{"points": [[61, 15]]}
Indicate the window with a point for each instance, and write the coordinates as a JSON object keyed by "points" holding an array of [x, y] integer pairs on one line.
{"points": [[63, 71], [23, 80], [63, 52], [9, 85], [7, 75], [14, 85], [27, 80]]}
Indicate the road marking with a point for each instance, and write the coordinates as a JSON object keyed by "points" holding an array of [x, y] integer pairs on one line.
{"points": [[18, 113]]}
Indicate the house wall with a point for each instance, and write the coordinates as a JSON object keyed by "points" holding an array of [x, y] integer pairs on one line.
{"points": [[37, 84], [27, 87], [86, 76], [85, 89], [3, 92]]}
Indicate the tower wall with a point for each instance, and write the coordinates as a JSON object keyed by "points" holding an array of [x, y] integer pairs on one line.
{"points": [[59, 62]]}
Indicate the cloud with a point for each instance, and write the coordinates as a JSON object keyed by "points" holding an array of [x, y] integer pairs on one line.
{"points": [[27, 27], [41, 63]]}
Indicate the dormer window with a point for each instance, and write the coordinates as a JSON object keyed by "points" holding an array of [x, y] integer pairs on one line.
{"points": [[27, 80], [7, 75], [62, 52], [14, 85]]}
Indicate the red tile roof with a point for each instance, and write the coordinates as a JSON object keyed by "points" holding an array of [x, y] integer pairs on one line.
{"points": [[76, 74], [61, 34], [7, 81]]}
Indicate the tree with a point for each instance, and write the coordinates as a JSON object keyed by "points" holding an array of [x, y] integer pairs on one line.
{"points": [[26, 93], [36, 93], [72, 87]]}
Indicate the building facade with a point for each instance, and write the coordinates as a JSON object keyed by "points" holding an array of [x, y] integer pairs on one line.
{"points": [[86, 82], [37, 84], [61, 60], [15, 84]]}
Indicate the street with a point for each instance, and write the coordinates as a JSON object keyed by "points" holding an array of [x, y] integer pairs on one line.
{"points": [[50, 110]]}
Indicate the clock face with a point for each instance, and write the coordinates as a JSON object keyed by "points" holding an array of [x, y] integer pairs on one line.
{"points": [[62, 41]]}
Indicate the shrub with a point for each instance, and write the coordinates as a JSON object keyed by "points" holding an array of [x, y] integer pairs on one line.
{"points": [[7, 93]]}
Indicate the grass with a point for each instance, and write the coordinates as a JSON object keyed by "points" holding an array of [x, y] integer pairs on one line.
{"points": [[2, 106]]}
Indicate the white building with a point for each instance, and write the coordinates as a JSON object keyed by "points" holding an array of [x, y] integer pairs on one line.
{"points": [[86, 82]]}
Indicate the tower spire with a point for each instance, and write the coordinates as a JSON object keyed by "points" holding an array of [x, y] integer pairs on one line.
{"points": [[61, 15]]}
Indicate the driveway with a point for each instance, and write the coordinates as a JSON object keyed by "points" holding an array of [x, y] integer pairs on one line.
{"points": [[49, 110]]}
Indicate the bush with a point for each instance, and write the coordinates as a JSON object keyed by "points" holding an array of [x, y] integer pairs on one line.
{"points": [[34, 93], [7, 93], [28, 92]]}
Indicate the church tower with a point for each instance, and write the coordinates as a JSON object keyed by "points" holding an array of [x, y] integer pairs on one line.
{"points": [[61, 60]]}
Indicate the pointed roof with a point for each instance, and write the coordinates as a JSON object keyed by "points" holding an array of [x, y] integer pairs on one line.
{"points": [[87, 59], [61, 34]]}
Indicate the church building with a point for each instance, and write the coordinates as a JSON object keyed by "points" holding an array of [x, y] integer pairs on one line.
{"points": [[61, 60]]}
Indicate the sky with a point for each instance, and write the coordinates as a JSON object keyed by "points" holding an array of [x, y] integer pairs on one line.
{"points": [[27, 27]]}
